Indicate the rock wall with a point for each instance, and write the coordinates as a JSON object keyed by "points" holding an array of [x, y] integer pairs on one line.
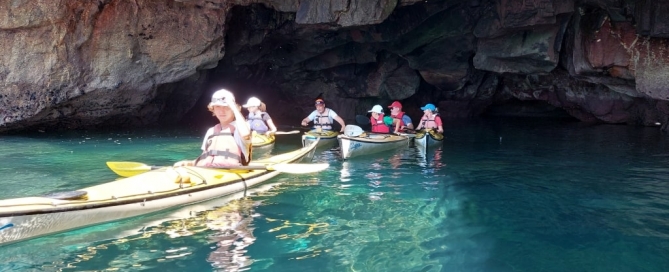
{"points": [[82, 63]]}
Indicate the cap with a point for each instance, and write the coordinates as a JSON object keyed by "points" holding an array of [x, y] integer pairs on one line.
{"points": [[253, 102], [395, 104], [377, 109], [221, 97], [320, 101], [430, 107]]}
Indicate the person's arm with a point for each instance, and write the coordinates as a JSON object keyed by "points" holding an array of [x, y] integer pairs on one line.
{"points": [[397, 126], [440, 127], [336, 117], [306, 120], [242, 125], [272, 127], [407, 121], [420, 123], [341, 122]]}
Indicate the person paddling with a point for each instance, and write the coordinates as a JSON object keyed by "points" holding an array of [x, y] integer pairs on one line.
{"points": [[399, 116], [378, 121], [323, 117], [259, 120], [430, 120], [228, 143]]}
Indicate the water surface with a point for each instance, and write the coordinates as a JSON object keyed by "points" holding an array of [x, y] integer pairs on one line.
{"points": [[499, 195]]}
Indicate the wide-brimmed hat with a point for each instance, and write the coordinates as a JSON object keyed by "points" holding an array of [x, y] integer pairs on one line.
{"points": [[253, 102], [395, 104], [377, 109], [220, 96], [430, 107]]}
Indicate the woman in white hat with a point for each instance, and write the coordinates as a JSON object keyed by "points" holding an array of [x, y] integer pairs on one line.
{"points": [[228, 143], [259, 120]]}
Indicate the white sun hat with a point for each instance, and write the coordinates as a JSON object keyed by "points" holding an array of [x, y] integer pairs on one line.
{"points": [[221, 97], [377, 109], [253, 102]]}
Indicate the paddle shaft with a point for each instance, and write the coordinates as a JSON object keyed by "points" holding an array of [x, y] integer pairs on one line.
{"points": [[128, 169], [286, 132], [241, 167]]}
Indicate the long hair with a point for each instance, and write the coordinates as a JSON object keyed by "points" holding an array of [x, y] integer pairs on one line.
{"points": [[262, 107]]}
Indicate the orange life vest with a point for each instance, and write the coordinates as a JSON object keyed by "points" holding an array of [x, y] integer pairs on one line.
{"points": [[429, 123], [222, 149], [378, 125]]}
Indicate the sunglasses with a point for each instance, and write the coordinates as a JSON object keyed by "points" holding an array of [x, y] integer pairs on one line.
{"points": [[219, 100]]}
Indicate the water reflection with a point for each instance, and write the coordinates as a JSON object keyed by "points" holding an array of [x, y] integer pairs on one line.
{"points": [[234, 233], [225, 224]]}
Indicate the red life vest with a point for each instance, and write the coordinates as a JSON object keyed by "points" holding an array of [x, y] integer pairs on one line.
{"points": [[222, 150], [399, 117], [378, 125]]}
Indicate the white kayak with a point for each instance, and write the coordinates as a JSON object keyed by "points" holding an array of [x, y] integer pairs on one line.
{"points": [[369, 143]]}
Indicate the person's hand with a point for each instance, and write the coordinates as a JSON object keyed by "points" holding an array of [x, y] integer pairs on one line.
{"points": [[269, 133], [440, 131], [229, 98], [304, 124]]}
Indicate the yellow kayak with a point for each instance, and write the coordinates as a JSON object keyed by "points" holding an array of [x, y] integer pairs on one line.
{"points": [[167, 187], [261, 144], [326, 139], [428, 137]]}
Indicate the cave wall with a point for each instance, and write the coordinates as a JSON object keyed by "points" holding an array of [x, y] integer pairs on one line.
{"points": [[79, 63]]}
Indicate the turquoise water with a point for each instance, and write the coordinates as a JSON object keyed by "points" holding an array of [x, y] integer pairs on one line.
{"points": [[499, 195]]}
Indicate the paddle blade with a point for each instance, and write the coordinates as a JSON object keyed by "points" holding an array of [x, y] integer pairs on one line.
{"points": [[300, 168], [362, 120], [353, 130], [128, 169]]}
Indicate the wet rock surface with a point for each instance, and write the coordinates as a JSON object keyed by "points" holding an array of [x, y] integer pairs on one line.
{"points": [[118, 63]]}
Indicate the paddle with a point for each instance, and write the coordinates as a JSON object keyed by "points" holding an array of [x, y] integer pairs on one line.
{"points": [[129, 169], [287, 132], [362, 120], [294, 127]]}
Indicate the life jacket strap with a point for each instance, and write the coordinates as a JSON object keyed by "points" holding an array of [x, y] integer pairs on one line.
{"points": [[226, 153]]}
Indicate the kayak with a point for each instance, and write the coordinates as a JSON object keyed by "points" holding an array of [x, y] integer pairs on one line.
{"points": [[369, 143], [261, 144], [328, 139], [425, 138], [148, 192]]}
